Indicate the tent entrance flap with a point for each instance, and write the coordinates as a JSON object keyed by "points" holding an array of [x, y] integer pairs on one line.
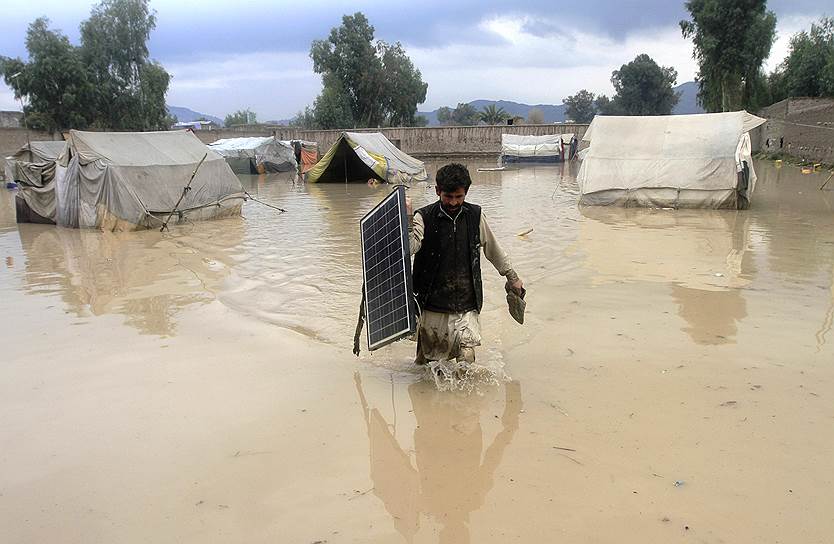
{"points": [[345, 165]]}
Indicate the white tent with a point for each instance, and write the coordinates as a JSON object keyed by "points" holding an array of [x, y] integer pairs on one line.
{"points": [[34, 163], [130, 180], [669, 161], [256, 154], [527, 148]]}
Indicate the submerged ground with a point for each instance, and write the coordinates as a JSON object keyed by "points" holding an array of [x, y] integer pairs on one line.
{"points": [[673, 381]]}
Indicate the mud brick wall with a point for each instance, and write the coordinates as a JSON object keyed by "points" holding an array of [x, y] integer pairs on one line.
{"points": [[799, 127], [418, 141]]}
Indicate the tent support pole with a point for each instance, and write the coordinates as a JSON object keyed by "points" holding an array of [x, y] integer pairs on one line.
{"points": [[184, 192]]}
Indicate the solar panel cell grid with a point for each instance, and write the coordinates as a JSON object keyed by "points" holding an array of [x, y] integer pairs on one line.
{"points": [[387, 271]]}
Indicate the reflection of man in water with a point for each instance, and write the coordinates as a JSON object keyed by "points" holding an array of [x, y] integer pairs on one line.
{"points": [[446, 239], [451, 480]]}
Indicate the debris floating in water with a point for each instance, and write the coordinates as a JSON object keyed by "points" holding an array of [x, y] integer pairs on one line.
{"points": [[525, 232]]}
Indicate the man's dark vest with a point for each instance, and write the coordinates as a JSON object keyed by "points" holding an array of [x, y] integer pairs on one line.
{"points": [[438, 293]]}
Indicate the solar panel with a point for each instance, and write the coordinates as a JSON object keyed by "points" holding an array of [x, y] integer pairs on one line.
{"points": [[386, 268]]}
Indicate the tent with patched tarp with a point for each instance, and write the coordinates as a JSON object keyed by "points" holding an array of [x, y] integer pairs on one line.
{"points": [[133, 180], [34, 163], [256, 155], [362, 156]]}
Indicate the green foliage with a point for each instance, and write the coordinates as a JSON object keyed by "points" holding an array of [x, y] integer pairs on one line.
{"points": [[493, 115], [241, 117], [54, 81], [107, 82], [644, 88], [463, 114], [332, 108], [304, 119], [808, 70], [605, 106], [732, 39], [421, 121], [580, 107], [404, 86], [130, 88], [378, 83], [444, 115]]}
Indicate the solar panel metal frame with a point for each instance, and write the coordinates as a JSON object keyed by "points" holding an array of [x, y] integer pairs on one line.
{"points": [[401, 254]]}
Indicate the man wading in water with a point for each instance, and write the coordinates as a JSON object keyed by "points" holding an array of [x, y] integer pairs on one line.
{"points": [[446, 238]]}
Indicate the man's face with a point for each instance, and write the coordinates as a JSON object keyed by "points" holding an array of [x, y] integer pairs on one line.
{"points": [[451, 202]]}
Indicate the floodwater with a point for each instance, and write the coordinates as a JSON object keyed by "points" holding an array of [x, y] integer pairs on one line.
{"points": [[673, 380]]}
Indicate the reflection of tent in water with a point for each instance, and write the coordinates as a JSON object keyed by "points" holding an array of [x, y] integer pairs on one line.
{"points": [[674, 161], [451, 479], [547, 148], [34, 163], [702, 256], [360, 156], [711, 316], [256, 155], [146, 279], [129, 180]]}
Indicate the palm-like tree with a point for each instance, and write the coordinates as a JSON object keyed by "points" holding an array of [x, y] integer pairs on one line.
{"points": [[493, 115]]}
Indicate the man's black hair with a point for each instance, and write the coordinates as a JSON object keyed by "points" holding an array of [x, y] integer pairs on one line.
{"points": [[453, 176]]}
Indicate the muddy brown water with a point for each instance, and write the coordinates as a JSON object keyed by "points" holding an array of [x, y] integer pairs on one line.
{"points": [[672, 382]]}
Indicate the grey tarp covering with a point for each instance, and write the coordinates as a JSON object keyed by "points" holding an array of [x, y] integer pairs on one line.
{"points": [[246, 155], [128, 180], [677, 161], [34, 163]]}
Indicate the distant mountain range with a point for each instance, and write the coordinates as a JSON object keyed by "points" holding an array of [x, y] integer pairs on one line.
{"points": [[552, 113], [688, 102], [186, 115], [556, 113]]}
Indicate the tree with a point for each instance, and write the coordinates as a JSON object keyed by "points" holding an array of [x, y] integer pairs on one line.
{"points": [[444, 115], [463, 114], [304, 119], [580, 107], [605, 106], [114, 48], [378, 82], [332, 108], [404, 85], [54, 80], [732, 39], [241, 117], [535, 116], [808, 70], [421, 121], [493, 115], [644, 88]]}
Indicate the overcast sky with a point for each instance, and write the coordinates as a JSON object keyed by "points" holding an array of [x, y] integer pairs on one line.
{"points": [[226, 55]]}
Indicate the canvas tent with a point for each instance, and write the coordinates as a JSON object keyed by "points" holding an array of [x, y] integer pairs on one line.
{"points": [[547, 148], [131, 180], [256, 155], [360, 156], [34, 163], [669, 161]]}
